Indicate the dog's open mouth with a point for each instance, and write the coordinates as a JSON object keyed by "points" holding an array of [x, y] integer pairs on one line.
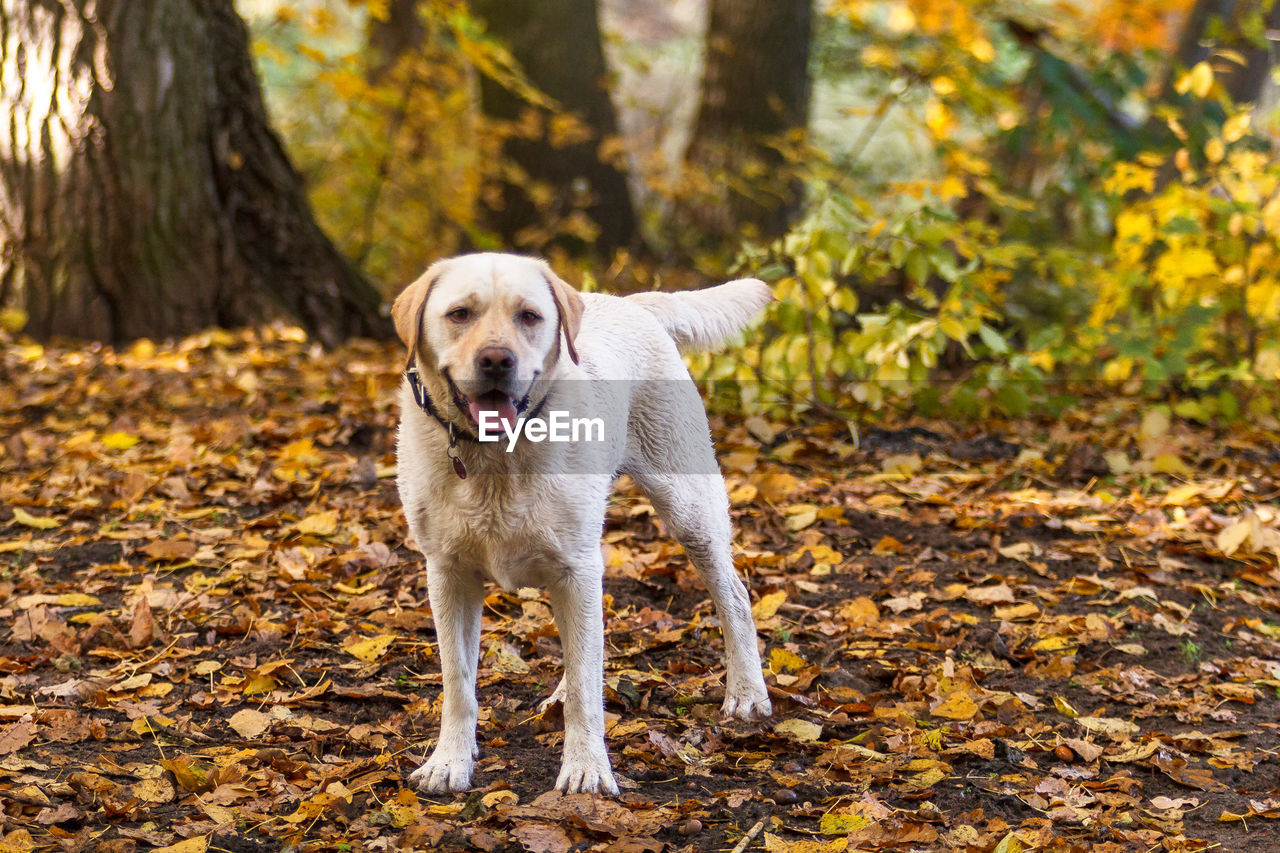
{"points": [[488, 404]]}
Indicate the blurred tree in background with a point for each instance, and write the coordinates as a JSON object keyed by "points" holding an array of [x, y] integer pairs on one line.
{"points": [[141, 189], [962, 205], [562, 175], [752, 111]]}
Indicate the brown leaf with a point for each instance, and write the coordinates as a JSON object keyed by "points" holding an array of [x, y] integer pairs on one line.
{"points": [[1177, 769], [16, 736], [542, 838], [142, 626], [170, 549], [249, 723], [63, 813]]}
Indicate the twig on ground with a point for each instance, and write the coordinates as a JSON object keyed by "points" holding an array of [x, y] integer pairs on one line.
{"points": [[749, 837]]}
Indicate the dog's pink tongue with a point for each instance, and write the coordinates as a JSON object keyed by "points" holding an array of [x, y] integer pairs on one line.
{"points": [[494, 401]]}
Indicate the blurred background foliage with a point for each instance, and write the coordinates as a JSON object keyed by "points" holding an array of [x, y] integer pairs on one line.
{"points": [[980, 206]]}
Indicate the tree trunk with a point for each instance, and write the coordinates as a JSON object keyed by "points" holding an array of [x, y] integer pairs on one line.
{"points": [[400, 33], [559, 175], [1244, 27], [1245, 83], [142, 191], [755, 89]]}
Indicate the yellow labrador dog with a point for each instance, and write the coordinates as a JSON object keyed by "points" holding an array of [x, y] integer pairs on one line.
{"points": [[501, 350]]}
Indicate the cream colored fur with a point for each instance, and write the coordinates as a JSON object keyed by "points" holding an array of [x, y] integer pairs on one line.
{"points": [[518, 521]]}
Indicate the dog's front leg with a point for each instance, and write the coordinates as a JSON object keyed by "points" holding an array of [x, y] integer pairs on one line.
{"points": [[576, 602], [456, 603]]}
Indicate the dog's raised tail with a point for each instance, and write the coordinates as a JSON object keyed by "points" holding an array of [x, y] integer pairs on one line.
{"points": [[706, 319]]}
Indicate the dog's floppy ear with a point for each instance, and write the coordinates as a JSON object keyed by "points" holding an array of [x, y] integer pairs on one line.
{"points": [[570, 305], [409, 306]]}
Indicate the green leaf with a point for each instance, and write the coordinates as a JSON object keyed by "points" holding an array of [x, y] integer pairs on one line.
{"points": [[994, 341]]}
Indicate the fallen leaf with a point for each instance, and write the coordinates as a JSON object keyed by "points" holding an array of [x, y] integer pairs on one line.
{"points": [[248, 723], [198, 844], [370, 648], [768, 605], [16, 736], [902, 464], [801, 730], [23, 517]]}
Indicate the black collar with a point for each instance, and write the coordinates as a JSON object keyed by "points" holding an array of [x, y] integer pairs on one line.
{"points": [[423, 399]]}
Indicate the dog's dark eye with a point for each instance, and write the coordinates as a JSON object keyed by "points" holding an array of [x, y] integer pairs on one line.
{"points": [[529, 318], [459, 315]]}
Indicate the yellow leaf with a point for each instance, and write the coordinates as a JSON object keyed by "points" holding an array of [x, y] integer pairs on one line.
{"points": [[77, 599], [953, 328], [802, 730], [956, 706], [901, 19], [1155, 424], [768, 605], [1231, 537], [842, 824], [781, 660], [1182, 495], [800, 516], [370, 649], [1064, 707], [320, 524], [1009, 844], [1198, 81], [1169, 463], [887, 545], [1113, 727], [1014, 612], [821, 554], [901, 464], [21, 516], [354, 590], [259, 683], [1118, 461], [13, 320], [775, 487], [938, 119], [497, 798], [860, 613], [1236, 127], [198, 844], [777, 844], [119, 440]]}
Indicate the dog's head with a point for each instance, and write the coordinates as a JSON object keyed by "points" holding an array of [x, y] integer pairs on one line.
{"points": [[485, 328]]}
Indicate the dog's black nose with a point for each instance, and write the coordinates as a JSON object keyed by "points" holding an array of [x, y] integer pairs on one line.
{"points": [[495, 362]]}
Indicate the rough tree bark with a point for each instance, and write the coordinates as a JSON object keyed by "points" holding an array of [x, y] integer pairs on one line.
{"points": [[557, 43], [755, 86], [142, 191]]}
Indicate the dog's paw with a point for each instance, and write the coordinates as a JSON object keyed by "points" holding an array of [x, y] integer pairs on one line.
{"points": [[747, 702], [444, 773], [587, 774], [557, 695]]}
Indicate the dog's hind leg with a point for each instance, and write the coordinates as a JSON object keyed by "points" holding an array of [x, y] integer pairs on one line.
{"points": [[456, 604], [557, 695], [695, 509]]}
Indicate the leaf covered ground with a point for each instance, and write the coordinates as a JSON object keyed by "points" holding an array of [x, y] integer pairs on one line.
{"points": [[1038, 635]]}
